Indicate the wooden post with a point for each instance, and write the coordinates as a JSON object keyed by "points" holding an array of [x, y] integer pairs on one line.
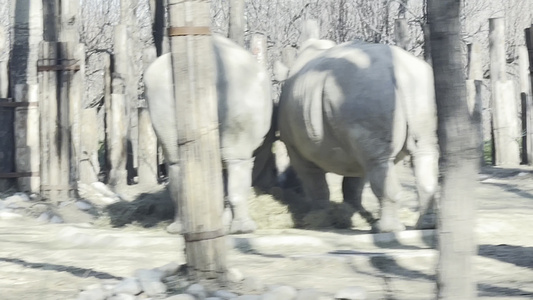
{"points": [[310, 30], [401, 33], [196, 178], [258, 47], [118, 130], [148, 165], [504, 109], [473, 90], [55, 141], [7, 154], [108, 112], [525, 101], [236, 21], [89, 166], [288, 55], [27, 137], [524, 74], [26, 36], [123, 67]]}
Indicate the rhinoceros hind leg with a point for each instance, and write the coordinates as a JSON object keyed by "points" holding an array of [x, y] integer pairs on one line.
{"points": [[352, 190], [313, 180], [426, 174], [386, 186], [175, 227], [239, 181]]}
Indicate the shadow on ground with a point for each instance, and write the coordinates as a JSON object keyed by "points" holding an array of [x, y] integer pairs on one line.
{"points": [[517, 255], [79, 272], [147, 210]]}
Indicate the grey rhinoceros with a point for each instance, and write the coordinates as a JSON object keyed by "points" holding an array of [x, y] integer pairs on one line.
{"points": [[356, 109], [244, 112]]}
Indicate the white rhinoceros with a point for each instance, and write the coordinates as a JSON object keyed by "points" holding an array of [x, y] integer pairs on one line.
{"points": [[357, 109], [244, 112]]}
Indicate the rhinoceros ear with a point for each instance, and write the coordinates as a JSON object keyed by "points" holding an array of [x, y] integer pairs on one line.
{"points": [[281, 71]]}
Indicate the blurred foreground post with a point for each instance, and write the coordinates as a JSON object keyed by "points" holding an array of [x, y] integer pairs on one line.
{"points": [[458, 140], [197, 178]]}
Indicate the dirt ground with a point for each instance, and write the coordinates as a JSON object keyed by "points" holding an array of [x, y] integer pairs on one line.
{"points": [[110, 242]]}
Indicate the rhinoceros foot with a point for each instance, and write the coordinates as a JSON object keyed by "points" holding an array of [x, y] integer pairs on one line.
{"points": [[384, 225], [427, 221], [242, 226], [175, 228]]}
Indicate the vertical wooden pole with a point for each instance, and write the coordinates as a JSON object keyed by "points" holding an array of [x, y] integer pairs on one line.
{"points": [[147, 169], [525, 101], [125, 39], [258, 47], [196, 178], [504, 107], [123, 69], [529, 53], [118, 136], [27, 34], [310, 30], [108, 113], [68, 174], [236, 21], [89, 166], [27, 136], [288, 55], [473, 91], [401, 33], [55, 144], [460, 165], [7, 154]]}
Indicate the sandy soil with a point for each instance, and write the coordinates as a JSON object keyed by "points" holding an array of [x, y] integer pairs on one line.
{"points": [[109, 242]]}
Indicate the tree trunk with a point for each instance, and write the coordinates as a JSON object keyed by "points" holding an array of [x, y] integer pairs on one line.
{"points": [[196, 179], [458, 143]]}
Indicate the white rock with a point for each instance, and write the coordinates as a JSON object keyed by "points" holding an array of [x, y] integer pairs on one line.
{"points": [[17, 197], [213, 298], [82, 205], [150, 281], [169, 269], [44, 217], [121, 297], [7, 215], [103, 189], [248, 297], [235, 275], [351, 293], [224, 295], [283, 292], [181, 297], [128, 286], [149, 274], [55, 219], [252, 284], [197, 290], [93, 294], [308, 294]]}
